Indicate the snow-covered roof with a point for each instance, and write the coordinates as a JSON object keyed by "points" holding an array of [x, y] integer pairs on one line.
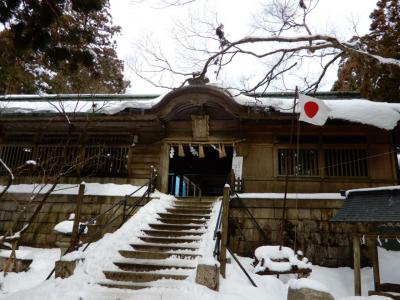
{"points": [[379, 114]]}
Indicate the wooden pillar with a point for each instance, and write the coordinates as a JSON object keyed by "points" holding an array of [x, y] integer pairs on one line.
{"points": [[224, 233], [164, 167], [75, 227], [357, 266], [373, 250]]}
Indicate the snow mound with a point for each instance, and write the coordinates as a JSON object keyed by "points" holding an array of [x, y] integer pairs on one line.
{"points": [[66, 227], [279, 260], [301, 283]]}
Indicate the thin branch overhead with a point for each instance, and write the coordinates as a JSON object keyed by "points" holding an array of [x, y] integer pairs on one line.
{"points": [[281, 45]]}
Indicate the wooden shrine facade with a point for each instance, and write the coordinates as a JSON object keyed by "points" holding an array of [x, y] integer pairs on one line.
{"points": [[207, 124]]}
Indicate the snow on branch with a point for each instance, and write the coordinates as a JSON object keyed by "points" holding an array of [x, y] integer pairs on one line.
{"points": [[7, 169], [282, 43]]}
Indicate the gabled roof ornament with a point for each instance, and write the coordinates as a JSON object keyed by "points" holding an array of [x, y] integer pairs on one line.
{"points": [[198, 79]]}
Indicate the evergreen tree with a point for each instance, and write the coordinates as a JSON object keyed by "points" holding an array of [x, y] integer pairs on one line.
{"points": [[59, 46], [373, 80]]}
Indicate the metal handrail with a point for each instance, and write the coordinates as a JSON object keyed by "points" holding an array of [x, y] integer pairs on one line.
{"points": [[241, 267], [122, 202], [253, 219], [217, 233], [111, 218], [217, 247]]}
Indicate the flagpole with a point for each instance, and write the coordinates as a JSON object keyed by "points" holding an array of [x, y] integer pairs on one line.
{"points": [[294, 118]]}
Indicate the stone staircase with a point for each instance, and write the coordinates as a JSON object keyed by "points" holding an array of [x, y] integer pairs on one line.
{"points": [[168, 250]]}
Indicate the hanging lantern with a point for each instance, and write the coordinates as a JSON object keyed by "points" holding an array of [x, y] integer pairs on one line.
{"points": [[201, 151], [222, 152], [181, 152]]}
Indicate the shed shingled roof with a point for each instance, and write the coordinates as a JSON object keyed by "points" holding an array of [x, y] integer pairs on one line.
{"points": [[370, 206]]}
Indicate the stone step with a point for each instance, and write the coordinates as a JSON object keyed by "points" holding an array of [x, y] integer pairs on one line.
{"points": [[177, 221], [183, 216], [197, 199], [174, 227], [165, 240], [193, 203], [170, 233], [164, 248], [189, 211], [146, 267], [180, 206], [126, 286], [140, 277], [155, 255]]}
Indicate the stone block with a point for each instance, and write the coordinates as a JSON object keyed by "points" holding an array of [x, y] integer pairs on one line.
{"points": [[316, 214], [264, 213], [310, 226], [20, 265], [304, 214], [308, 294], [327, 214], [208, 275], [316, 238], [65, 269], [277, 213]]}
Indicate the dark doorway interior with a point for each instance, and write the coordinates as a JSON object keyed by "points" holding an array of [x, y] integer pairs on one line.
{"points": [[190, 174]]}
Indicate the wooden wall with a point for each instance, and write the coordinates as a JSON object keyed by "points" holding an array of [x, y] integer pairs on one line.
{"points": [[260, 166]]}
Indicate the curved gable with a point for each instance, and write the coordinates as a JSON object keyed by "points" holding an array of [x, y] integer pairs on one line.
{"points": [[198, 99]]}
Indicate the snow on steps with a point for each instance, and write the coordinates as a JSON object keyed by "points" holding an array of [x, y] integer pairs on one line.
{"points": [[168, 250]]}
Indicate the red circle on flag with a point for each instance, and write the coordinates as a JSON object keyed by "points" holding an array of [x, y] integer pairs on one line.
{"points": [[311, 109]]}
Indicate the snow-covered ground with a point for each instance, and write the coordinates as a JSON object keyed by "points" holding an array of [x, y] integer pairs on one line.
{"points": [[99, 189], [100, 256]]}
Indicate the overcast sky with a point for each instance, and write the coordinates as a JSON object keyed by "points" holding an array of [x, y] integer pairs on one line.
{"points": [[139, 20]]}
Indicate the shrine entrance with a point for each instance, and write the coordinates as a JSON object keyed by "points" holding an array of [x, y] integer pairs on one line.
{"points": [[196, 170]]}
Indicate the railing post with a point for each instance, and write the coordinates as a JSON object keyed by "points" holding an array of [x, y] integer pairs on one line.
{"points": [[75, 228], [124, 210], [356, 262], [151, 178], [232, 179], [224, 233]]}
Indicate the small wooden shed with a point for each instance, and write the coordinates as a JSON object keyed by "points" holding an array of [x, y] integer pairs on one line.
{"points": [[375, 214]]}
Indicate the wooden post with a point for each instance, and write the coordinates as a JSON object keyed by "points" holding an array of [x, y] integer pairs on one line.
{"points": [[75, 228], [224, 233], [375, 261], [357, 271]]}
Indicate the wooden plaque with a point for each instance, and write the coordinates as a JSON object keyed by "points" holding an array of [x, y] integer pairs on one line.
{"points": [[200, 129]]}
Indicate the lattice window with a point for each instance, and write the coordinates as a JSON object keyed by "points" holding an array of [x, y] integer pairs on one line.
{"points": [[110, 161], [15, 156], [105, 161], [346, 162], [303, 163]]}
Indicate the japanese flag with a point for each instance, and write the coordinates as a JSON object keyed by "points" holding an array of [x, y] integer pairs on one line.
{"points": [[313, 110]]}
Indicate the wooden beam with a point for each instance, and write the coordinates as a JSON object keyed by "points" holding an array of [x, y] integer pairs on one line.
{"points": [[373, 250], [383, 294], [357, 270], [75, 227], [164, 167], [390, 287]]}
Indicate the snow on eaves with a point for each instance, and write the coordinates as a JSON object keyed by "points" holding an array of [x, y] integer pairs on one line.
{"points": [[379, 114]]}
